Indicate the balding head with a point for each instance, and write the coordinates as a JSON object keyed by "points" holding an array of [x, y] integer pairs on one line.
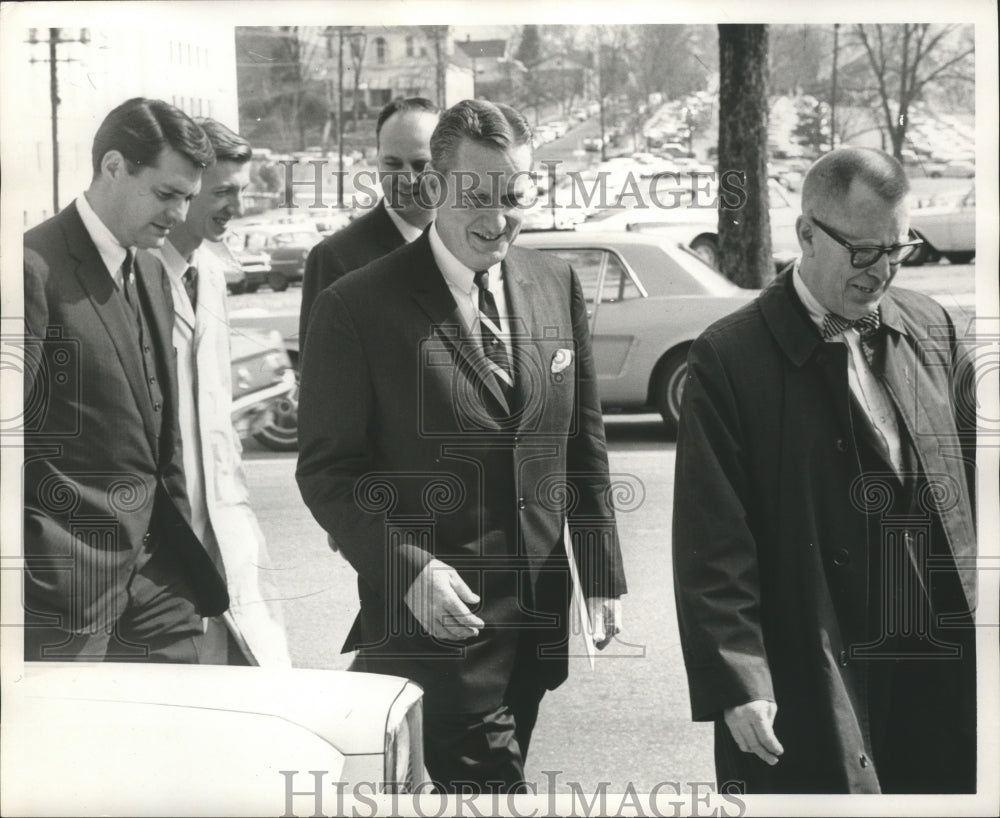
{"points": [[827, 184]]}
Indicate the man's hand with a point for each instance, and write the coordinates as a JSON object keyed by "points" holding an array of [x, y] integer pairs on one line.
{"points": [[752, 727], [605, 618], [438, 598]]}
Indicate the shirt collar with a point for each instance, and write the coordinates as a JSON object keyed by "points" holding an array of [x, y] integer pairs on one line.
{"points": [[406, 230], [813, 307], [454, 271], [111, 251]]}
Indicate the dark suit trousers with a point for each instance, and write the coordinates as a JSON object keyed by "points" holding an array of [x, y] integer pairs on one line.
{"points": [[485, 752], [160, 623]]}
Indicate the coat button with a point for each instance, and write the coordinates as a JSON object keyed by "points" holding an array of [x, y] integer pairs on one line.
{"points": [[842, 557], [520, 503], [863, 760], [146, 537], [842, 445], [156, 407], [842, 658]]}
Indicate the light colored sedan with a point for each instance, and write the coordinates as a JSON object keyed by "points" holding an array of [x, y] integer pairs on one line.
{"points": [[948, 227], [648, 298], [696, 218], [131, 739]]}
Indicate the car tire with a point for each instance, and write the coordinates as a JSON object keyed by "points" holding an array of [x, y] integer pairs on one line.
{"points": [[935, 174], [237, 289], [281, 431], [277, 282], [960, 258], [252, 288], [707, 247], [668, 387]]}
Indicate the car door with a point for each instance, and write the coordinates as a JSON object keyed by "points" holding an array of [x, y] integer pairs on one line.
{"points": [[963, 224], [608, 288]]}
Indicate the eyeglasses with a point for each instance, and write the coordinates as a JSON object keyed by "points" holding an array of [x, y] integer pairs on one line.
{"points": [[865, 255]]}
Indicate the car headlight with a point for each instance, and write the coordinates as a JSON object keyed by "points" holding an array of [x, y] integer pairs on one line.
{"points": [[404, 742]]}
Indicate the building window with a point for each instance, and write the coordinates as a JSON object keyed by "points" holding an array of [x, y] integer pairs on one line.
{"points": [[329, 47], [381, 50], [409, 46], [423, 50]]}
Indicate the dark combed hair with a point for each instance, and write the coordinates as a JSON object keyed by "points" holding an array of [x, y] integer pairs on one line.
{"points": [[141, 128], [493, 124], [831, 176], [401, 104], [228, 145]]}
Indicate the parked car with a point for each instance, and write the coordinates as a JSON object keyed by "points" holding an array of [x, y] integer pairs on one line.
{"points": [[696, 219], [278, 429], [948, 227], [288, 245], [958, 168], [245, 270], [202, 739], [648, 299], [592, 143], [262, 378]]}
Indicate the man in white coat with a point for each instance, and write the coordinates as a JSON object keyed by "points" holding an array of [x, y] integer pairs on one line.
{"points": [[213, 469]]}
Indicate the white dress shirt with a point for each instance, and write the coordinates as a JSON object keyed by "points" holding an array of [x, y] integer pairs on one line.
{"points": [[112, 253], [462, 283], [868, 390], [406, 230]]}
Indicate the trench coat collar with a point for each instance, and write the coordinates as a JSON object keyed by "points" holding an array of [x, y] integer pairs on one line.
{"points": [[787, 319]]}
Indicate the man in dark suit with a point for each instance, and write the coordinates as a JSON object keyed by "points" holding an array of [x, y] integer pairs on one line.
{"points": [[402, 138], [824, 539], [450, 424], [113, 570]]}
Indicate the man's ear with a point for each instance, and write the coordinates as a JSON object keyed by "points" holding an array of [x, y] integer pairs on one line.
{"points": [[113, 165], [431, 183], [806, 233]]}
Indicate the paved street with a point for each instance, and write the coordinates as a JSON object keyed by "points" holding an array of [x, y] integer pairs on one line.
{"points": [[627, 720]]}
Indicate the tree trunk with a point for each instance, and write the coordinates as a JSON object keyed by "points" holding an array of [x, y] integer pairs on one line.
{"points": [[744, 222]]}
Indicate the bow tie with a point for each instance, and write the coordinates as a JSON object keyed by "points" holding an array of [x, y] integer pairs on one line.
{"points": [[866, 325]]}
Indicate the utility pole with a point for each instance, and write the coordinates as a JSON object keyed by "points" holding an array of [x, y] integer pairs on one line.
{"points": [[833, 89], [340, 117], [55, 38]]}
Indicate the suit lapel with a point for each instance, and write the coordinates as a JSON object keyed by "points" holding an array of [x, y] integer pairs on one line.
{"points": [[384, 232], [154, 291], [110, 308], [522, 306], [433, 296]]}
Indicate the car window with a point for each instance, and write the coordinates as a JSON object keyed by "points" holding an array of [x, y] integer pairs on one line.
{"points": [[256, 241], [617, 284], [587, 264]]}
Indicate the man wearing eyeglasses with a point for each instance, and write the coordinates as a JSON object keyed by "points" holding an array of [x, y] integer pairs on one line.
{"points": [[823, 533]]}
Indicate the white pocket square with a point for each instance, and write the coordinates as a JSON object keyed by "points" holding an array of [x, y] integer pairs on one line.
{"points": [[561, 359]]}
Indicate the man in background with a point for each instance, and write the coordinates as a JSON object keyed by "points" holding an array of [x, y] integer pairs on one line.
{"points": [[824, 539], [402, 137], [216, 485], [113, 570]]}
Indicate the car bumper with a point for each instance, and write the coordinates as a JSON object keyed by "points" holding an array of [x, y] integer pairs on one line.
{"points": [[249, 412]]}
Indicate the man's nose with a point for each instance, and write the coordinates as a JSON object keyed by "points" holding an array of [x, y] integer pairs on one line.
{"points": [[236, 205], [177, 210]]}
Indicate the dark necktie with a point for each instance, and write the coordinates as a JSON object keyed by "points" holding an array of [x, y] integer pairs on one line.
{"points": [[489, 332], [128, 285], [191, 285]]}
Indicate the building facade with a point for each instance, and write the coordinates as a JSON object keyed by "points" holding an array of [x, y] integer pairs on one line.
{"points": [[193, 68]]}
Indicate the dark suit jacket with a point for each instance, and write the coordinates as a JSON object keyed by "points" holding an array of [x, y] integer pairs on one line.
{"points": [[773, 528], [402, 458], [365, 239], [100, 457]]}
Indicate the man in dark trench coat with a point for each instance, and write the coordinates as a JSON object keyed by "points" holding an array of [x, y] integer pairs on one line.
{"points": [[824, 540]]}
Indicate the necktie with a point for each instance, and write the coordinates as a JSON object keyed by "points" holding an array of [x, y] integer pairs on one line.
{"points": [[128, 283], [191, 285], [866, 325], [490, 334]]}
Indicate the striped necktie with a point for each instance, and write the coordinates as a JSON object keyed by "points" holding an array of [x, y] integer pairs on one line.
{"points": [[866, 325], [491, 335], [191, 285]]}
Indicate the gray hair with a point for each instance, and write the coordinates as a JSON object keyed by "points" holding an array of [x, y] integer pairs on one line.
{"points": [[830, 177]]}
